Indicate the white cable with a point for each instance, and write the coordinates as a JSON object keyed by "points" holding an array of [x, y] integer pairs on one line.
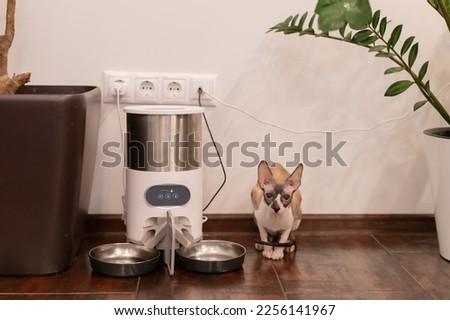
{"points": [[314, 131], [121, 137], [118, 113]]}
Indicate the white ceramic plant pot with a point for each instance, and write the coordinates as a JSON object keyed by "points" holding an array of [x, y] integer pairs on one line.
{"points": [[437, 146]]}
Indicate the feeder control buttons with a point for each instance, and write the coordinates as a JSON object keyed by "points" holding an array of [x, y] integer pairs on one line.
{"points": [[167, 195]]}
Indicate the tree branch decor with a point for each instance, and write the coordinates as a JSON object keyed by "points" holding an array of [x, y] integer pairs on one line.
{"points": [[9, 85]]}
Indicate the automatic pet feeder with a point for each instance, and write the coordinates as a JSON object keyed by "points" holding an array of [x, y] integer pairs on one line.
{"points": [[164, 177], [164, 193]]}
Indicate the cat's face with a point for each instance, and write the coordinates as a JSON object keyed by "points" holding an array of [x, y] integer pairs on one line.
{"points": [[278, 196]]}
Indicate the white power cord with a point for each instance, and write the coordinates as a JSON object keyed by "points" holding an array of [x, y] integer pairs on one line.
{"points": [[121, 128], [119, 115], [314, 131]]}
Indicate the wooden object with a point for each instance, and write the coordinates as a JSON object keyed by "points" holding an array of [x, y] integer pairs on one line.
{"points": [[9, 85]]}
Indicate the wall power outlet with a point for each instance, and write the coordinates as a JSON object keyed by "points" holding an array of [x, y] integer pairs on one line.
{"points": [[158, 88]]}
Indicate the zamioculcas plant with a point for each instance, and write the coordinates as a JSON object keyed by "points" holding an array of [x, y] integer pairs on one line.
{"points": [[353, 21]]}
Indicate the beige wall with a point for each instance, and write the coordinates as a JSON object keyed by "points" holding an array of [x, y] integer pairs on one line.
{"points": [[297, 83]]}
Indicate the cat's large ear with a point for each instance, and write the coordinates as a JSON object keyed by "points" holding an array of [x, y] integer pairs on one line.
{"points": [[293, 182], [265, 176]]}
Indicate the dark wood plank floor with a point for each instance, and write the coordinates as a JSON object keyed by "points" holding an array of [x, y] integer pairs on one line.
{"points": [[329, 265]]}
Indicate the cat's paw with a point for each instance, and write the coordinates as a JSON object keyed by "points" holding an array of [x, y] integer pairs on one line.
{"points": [[278, 254], [267, 253]]}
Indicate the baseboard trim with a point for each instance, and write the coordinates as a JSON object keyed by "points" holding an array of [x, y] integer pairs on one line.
{"points": [[311, 223]]}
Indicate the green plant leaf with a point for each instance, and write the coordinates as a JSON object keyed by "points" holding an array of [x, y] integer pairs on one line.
{"points": [[311, 21], [419, 104], [282, 26], [275, 28], [378, 48], [368, 41], [348, 37], [406, 45], [398, 87], [334, 14], [423, 70], [395, 35], [376, 19], [385, 55], [302, 21], [294, 20], [393, 70], [288, 21], [342, 31], [413, 54], [435, 5], [383, 25], [290, 30], [306, 31], [362, 35]]}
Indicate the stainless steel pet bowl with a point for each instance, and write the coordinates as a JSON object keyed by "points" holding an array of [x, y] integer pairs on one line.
{"points": [[123, 259], [212, 256]]}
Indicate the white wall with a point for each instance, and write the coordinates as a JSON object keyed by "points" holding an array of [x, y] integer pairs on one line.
{"points": [[298, 83]]}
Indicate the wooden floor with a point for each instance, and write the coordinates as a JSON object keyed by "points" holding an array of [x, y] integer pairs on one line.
{"points": [[360, 264]]}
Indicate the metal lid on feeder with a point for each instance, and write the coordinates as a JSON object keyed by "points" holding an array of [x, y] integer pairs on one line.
{"points": [[163, 109]]}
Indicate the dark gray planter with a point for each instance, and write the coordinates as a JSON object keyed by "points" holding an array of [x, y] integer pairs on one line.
{"points": [[48, 142]]}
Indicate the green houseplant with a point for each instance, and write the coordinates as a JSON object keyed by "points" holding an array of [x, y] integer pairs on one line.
{"points": [[354, 22]]}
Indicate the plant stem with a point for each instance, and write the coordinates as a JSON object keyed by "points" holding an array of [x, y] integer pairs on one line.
{"points": [[445, 13], [398, 59], [431, 98], [440, 108]]}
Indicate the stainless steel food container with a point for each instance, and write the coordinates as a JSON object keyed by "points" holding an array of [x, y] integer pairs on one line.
{"points": [[123, 259], [211, 256]]}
